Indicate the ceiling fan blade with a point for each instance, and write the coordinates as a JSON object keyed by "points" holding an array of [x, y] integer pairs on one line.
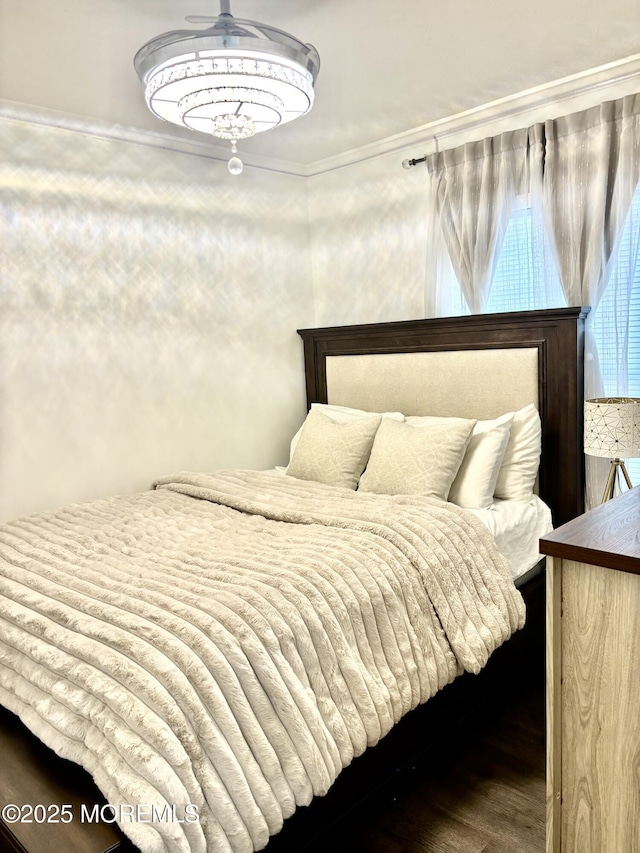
{"points": [[201, 19]]}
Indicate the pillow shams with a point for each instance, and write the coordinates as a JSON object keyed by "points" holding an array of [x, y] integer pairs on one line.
{"points": [[416, 460], [474, 485], [333, 453]]}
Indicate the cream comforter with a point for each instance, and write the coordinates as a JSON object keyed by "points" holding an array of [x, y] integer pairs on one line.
{"points": [[232, 641]]}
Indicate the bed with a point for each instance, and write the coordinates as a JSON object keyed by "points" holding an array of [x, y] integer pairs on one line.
{"points": [[500, 363]]}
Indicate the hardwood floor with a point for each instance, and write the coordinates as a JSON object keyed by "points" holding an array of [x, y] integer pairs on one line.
{"points": [[485, 796]]}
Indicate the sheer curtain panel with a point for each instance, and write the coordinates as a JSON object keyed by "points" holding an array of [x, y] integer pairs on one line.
{"points": [[471, 193], [585, 169]]}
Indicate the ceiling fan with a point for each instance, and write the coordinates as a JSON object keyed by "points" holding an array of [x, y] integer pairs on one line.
{"points": [[233, 79]]}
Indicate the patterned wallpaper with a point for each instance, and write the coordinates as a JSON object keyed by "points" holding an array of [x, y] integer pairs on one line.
{"points": [[149, 303]]}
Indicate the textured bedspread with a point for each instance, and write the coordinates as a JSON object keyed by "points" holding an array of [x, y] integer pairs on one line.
{"points": [[232, 641]]}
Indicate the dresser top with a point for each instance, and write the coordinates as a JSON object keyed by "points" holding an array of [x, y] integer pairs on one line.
{"points": [[608, 535]]}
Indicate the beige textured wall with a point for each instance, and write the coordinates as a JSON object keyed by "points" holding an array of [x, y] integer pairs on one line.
{"points": [[149, 303], [368, 242]]}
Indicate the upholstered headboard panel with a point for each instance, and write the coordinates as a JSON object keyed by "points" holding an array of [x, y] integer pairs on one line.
{"points": [[478, 366], [456, 383]]}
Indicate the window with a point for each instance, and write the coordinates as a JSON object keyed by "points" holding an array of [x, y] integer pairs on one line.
{"points": [[526, 279]]}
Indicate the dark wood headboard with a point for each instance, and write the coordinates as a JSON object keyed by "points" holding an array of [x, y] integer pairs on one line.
{"points": [[558, 336]]}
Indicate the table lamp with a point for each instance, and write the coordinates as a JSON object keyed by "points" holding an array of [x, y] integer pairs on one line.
{"points": [[612, 429]]}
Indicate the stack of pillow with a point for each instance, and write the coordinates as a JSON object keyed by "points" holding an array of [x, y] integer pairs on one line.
{"points": [[468, 462]]}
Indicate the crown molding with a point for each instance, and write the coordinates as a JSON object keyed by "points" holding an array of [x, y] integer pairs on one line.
{"points": [[199, 146], [578, 91]]}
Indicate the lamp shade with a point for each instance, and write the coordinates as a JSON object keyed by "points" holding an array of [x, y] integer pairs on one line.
{"points": [[612, 427]]}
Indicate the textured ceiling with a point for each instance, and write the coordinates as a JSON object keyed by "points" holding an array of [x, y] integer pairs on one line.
{"points": [[386, 67]]}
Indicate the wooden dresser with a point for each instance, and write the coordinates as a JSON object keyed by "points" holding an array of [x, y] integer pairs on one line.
{"points": [[593, 680]]}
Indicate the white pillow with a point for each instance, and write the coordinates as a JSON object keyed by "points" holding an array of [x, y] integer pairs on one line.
{"points": [[333, 453], [416, 459], [476, 479], [519, 467], [342, 415]]}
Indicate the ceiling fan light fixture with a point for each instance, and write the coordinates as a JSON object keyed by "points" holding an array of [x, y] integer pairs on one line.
{"points": [[233, 127], [233, 79]]}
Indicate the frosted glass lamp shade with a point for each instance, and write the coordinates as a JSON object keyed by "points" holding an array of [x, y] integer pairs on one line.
{"points": [[612, 427]]}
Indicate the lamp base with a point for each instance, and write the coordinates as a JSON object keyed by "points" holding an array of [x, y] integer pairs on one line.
{"points": [[613, 479]]}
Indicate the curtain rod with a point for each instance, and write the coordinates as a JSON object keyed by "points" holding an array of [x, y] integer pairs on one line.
{"points": [[407, 164], [413, 161]]}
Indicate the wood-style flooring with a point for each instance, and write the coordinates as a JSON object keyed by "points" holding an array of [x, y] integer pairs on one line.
{"points": [[485, 796]]}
